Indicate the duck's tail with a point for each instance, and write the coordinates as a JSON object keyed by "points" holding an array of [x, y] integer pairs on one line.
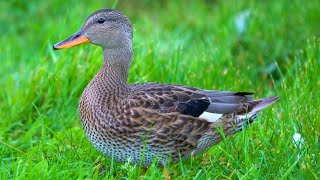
{"points": [[246, 114], [232, 122]]}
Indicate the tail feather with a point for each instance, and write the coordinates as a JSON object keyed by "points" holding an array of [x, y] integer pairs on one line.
{"points": [[231, 122], [246, 114], [255, 105], [265, 103]]}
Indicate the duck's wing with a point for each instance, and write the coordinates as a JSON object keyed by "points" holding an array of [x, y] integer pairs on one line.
{"points": [[179, 134], [166, 98], [173, 134]]}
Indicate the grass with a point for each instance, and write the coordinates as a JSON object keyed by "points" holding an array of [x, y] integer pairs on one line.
{"points": [[191, 43]]}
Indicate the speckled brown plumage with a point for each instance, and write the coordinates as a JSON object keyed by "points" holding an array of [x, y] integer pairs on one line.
{"points": [[150, 121]]}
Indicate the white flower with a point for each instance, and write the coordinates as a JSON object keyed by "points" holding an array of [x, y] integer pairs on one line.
{"points": [[297, 140], [240, 21]]}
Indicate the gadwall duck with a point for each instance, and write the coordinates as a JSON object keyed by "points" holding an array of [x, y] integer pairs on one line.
{"points": [[150, 121]]}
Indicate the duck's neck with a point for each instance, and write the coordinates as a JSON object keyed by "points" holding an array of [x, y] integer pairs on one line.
{"points": [[116, 66], [119, 55]]}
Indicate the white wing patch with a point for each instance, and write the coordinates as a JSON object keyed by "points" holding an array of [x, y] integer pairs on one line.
{"points": [[210, 117]]}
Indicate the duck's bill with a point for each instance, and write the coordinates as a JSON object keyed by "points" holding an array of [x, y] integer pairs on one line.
{"points": [[76, 39]]}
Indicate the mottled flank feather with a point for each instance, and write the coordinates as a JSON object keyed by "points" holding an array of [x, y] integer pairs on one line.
{"points": [[144, 122]]}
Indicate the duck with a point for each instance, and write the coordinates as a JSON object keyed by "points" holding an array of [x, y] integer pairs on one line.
{"points": [[151, 122]]}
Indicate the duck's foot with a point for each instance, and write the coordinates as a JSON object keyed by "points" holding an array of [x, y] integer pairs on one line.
{"points": [[165, 173]]}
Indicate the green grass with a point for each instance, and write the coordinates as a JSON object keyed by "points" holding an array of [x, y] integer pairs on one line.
{"points": [[190, 43]]}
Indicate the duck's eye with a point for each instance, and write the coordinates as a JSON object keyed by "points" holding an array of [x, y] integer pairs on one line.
{"points": [[101, 20]]}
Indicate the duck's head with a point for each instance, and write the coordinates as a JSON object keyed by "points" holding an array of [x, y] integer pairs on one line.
{"points": [[107, 28]]}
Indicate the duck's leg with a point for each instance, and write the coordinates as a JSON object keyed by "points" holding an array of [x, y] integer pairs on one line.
{"points": [[144, 170], [166, 173]]}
